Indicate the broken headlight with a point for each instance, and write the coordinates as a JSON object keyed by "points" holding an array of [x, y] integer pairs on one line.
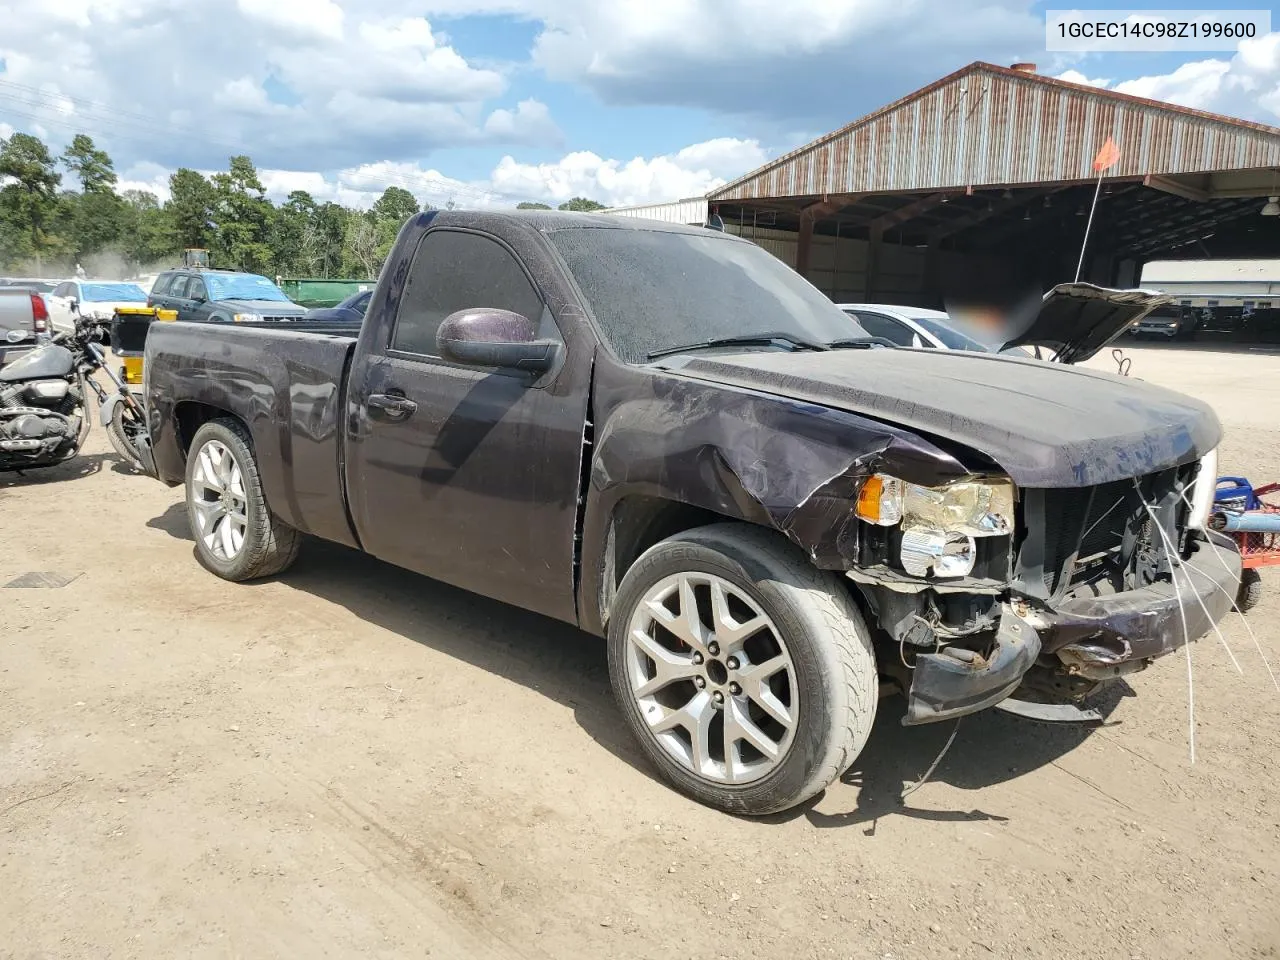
{"points": [[939, 524]]}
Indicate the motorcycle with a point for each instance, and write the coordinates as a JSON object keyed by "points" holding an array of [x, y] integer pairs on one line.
{"points": [[44, 416]]}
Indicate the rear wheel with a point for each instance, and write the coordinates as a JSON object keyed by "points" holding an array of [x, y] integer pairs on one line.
{"points": [[747, 675], [237, 536]]}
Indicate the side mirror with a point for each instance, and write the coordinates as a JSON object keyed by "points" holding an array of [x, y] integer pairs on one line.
{"points": [[488, 337], [74, 304], [916, 341], [17, 336]]}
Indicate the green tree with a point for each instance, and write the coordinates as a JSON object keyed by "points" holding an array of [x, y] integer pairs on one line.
{"points": [[328, 238], [29, 200], [581, 205], [389, 213], [190, 207], [242, 218], [91, 166], [363, 243], [291, 231], [396, 205], [148, 233], [530, 205], [91, 222]]}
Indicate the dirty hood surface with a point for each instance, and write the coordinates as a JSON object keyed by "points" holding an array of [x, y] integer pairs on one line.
{"points": [[1045, 424], [1076, 320]]}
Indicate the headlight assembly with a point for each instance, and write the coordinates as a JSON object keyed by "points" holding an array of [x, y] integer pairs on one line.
{"points": [[939, 524]]}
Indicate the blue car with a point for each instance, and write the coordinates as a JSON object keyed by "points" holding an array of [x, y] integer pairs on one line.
{"points": [[221, 296]]}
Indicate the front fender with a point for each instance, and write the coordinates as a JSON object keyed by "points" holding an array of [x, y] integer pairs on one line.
{"points": [[766, 459], [106, 410]]}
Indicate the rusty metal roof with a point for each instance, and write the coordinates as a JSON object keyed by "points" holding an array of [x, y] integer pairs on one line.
{"points": [[987, 126]]}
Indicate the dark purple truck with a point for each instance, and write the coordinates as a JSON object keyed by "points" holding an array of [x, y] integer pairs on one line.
{"points": [[667, 437]]}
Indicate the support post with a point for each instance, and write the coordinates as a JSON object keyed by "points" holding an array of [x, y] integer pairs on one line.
{"points": [[873, 265], [804, 244]]}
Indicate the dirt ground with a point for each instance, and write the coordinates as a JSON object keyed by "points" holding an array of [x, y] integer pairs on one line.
{"points": [[352, 761]]}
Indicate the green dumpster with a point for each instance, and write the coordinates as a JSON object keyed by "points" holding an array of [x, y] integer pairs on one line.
{"points": [[314, 292]]}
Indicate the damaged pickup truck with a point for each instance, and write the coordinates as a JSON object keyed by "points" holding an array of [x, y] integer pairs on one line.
{"points": [[667, 437]]}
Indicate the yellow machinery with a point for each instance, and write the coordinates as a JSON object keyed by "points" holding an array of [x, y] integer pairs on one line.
{"points": [[129, 336]]}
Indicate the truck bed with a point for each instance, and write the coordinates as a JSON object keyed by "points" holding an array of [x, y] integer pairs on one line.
{"points": [[285, 381]]}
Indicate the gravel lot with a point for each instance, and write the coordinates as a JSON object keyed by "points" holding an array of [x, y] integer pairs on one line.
{"points": [[356, 762]]}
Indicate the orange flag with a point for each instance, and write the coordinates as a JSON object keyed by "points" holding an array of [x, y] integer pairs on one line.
{"points": [[1107, 156]]}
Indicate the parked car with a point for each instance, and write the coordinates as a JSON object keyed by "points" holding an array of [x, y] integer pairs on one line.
{"points": [[350, 310], [918, 327], [666, 436], [94, 299], [1168, 323], [30, 283], [221, 296], [22, 311]]}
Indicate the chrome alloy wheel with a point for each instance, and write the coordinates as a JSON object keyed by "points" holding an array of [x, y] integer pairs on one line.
{"points": [[218, 502], [712, 678]]}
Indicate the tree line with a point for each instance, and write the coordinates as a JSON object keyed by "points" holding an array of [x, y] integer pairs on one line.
{"points": [[47, 228]]}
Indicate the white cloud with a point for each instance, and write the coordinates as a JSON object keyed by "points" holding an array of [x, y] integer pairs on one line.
{"points": [[832, 59], [1075, 76], [292, 83], [1246, 86], [1196, 84], [298, 19], [690, 172], [687, 173]]}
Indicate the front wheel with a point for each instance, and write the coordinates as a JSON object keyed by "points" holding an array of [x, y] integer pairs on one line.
{"points": [[1250, 593], [123, 431], [747, 675], [237, 536]]}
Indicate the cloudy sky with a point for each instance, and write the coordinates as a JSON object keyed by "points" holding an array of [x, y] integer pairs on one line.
{"points": [[495, 101]]}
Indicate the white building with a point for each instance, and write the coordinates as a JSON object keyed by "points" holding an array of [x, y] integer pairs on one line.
{"points": [[1253, 284]]}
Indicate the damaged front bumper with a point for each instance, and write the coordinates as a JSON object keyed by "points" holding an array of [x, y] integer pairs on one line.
{"points": [[1094, 638]]}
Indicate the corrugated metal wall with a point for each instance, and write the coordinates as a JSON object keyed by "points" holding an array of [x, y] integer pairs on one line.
{"points": [[987, 127], [692, 211]]}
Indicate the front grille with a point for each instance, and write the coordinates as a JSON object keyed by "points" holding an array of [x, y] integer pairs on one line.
{"points": [[1106, 529]]}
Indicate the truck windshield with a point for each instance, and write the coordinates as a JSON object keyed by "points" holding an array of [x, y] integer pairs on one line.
{"points": [[242, 286], [652, 289]]}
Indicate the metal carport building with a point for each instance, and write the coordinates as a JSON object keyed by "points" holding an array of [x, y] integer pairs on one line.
{"points": [[987, 173]]}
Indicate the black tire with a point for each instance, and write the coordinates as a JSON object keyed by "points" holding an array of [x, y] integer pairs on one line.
{"points": [[118, 432], [270, 545], [824, 632], [1250, 593]]}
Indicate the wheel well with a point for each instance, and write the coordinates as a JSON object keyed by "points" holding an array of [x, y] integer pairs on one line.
{"points": [[191, 416], [639, 522]]}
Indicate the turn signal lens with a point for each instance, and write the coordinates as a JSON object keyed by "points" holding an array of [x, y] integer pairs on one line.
{"points": [[880, 500]]}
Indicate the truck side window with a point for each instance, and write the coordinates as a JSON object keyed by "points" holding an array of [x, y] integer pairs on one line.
{"points": [[454, 271]]}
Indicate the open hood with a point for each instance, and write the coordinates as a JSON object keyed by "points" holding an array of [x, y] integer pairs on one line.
{"points": [[1076, 320]]}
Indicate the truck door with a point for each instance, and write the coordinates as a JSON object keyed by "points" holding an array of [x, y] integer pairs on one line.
{"points": [[468, 475]]}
